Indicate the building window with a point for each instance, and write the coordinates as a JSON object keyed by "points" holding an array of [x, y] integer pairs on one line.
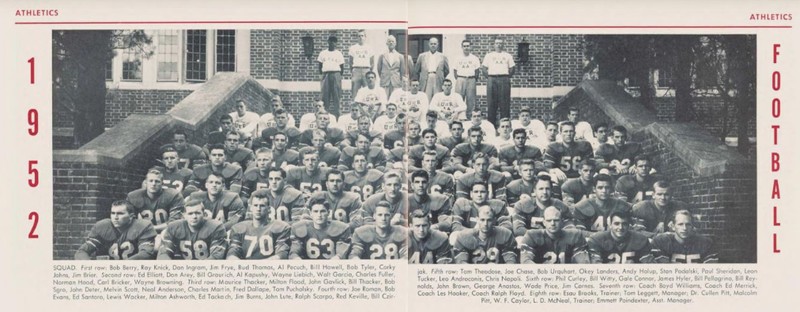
{"points": [[168, 55], [400, 35], [109, 69], [132, 65], [226, 51], [196, 55], [418, 44], [665, 78]]}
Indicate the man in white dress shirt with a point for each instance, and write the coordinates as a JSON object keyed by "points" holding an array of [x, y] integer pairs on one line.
{"points": [[431, 69]]}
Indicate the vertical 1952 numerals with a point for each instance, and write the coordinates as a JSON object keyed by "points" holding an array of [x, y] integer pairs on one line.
{"points": [[33, 130]]}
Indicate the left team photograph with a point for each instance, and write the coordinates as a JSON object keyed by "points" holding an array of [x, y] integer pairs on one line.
{"points": [[211, 144]]}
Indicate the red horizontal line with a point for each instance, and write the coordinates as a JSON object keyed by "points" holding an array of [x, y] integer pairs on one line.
{"points": [[207, 22], [606, 26]]}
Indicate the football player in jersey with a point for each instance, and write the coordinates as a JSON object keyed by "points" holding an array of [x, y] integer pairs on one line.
{"points": [[439, 182], [524, 186], [364, 125], [230, 171], [600, 137], [577, 189], [154, 203], [344, 205], [194, 237], [429, 139], [174, 176], [683, 245], [511, 155], [286, 203], [381, 240], [425, 244], [618, 157], [394, 138], [392, 196], [190, 155], [495, 180], [320, 237], [465, 211], [328, 155], [376, 159], [333, 135], [456, 136], [263, 237], [593, 213], [638, 186], [486, 243], [528, 213], [309, 178], [619, 244], [462, 153], [284, 157], [119, 237], [553, 243], [653, 216], [281, 125], [413, 134], [432, 205], [234, 153], [219, 204], [256, 178], [363, 180], [564, 157]]}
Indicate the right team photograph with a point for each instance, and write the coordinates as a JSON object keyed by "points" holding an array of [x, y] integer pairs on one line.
{"points": [[550, 148]]}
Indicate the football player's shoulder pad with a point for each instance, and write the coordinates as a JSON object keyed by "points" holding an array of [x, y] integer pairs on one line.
{"points": [[637, 240], [466, 239], [278, 226], [136, 197], [436, 240], [585, 207], [300, 228], [291, 194], [230, 169], [399, 233], [337, 228], [251, 174], [374, 175]]}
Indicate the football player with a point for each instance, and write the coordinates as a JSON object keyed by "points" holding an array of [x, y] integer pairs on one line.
{"points": [[386, 123], [600, 137], [476, 120], [394, 138], [528, 213], [190, 155], [465, 211], [417, 103], [652, 216], [269, 120], [495, 180], [174, 176], [286, 203], [432, 122], [234, 153], [425, 244], [511, 155], [193, 237], [413, 134], [486, 243], [550, 136], [638, 186], [524, 186], [583, 130], [683, 245], [392, 196], [619, 244], [154, 203], [307, 179], [439, 182], [244, 122], [577, 189], [363, 180], [593, 213], [284, 157], [553, 243], [217, 164], [219, 204], [381, 240], [218, 136], [364, 124], [416, 152], [503, 137], [119, 237], [564, 157], [462, 153], [328, 155], [320, 237], [372, 97], [349, 122], [432, 205], [456, 136], [263, 237], [281, 125], [256, 178], [375, 157], [344, 206], [618, 157]]}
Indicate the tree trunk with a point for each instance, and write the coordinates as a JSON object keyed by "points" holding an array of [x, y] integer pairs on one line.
{"points": [[89, 52], [682, 77]]}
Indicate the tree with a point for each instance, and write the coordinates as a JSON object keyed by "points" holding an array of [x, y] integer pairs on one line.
{"points": [[79, 63]]}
